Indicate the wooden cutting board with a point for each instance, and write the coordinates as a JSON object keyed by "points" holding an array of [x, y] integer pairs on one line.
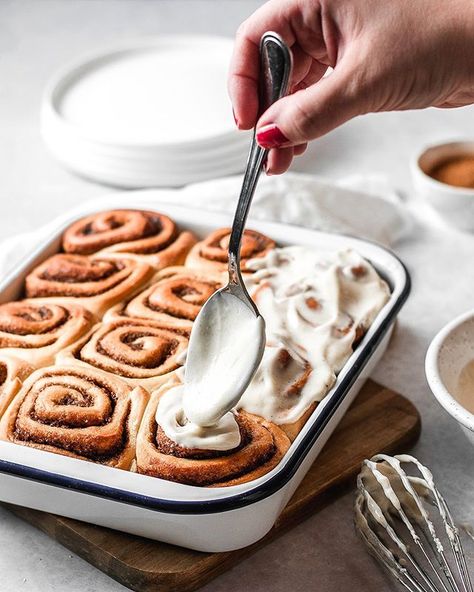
{"points": [[380, 420]]}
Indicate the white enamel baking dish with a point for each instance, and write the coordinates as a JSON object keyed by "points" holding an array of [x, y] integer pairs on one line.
{"points": [[205, 519]]}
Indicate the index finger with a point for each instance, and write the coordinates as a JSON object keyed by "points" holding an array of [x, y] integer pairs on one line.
{"points": [[245, 63], [243, 82]]}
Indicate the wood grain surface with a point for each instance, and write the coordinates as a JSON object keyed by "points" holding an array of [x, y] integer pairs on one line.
{"points": [[379, 420]]}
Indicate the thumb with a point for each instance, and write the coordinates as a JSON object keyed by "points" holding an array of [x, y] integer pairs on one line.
{"points": [[311, 113]]}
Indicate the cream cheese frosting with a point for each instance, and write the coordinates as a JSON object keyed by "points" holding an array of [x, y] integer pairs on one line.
{"points": [[315, 305], [223, 435]]}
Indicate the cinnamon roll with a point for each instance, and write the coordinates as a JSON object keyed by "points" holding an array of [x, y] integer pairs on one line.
{"points": [[276, 391], [211, 253], [252, 448], [77, 412], [12, 372], [139, 351], [317, 306], [36, 330], [96, 282], [149, 236], [174, 300]]}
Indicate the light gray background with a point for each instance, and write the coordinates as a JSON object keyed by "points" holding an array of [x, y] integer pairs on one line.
{"points": [[36, 38]]}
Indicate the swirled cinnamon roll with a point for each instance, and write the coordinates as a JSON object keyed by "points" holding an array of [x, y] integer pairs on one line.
{"points": [[36, 330], [78, 412], [139, 351], [174, 300], [12, 372], [96, 282], [211, 253], [149, 236], [241, 448]]}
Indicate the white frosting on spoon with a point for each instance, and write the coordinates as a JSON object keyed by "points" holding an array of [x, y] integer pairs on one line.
{"points": [[226, 344]]}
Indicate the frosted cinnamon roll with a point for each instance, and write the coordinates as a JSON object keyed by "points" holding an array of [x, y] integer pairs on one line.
{"points": [[174, 300], [241, 448], [139, 351], [317, 305], [12, 372], [211, 253], [76, 412], [36, 330], [149, 236], [277, 388], [95, 282]]}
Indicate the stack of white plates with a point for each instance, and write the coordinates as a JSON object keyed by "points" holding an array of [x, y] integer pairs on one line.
{"points": [[155, 113]]}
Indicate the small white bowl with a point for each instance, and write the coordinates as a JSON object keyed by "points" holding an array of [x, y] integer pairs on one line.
{"points": [[448, 354], [454, 204]]}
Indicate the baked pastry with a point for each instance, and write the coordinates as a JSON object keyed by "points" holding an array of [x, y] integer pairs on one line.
{"points": [[261, 447], [36, 330], [125, 267], [96, 282], [149, 236], [139, 351], [12, 372], [174, 299], [277, 388], [210, 254], [77, 412]]}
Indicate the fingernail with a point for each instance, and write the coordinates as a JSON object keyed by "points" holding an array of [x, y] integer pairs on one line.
{"points": [[266, 168], [270, 136]]}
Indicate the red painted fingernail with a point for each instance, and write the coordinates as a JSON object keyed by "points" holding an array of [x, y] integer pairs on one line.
{"points": [[270, 136]]}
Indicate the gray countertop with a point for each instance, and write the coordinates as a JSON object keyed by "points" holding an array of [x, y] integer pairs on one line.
{"points": [[39, 36]]}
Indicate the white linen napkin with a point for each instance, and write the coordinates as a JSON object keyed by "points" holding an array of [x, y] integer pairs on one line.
{"points": [[363, 206]]}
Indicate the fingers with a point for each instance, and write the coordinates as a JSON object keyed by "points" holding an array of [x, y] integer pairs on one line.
{"points": [[243, 82], [300, 149], [245, 62], [310, 113], [302, 63], [314, 73], [278, 161]]}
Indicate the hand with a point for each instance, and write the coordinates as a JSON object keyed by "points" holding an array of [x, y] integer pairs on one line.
{"points": [[386, 54]]}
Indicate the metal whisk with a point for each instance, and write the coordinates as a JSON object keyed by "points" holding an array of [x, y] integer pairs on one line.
{"points": [[408, 527]]}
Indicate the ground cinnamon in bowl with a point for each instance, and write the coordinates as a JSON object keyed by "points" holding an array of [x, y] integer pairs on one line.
{"points": [[457, 171]]}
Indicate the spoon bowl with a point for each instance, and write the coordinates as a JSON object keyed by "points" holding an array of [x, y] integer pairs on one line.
{"points": [[226, 325]]}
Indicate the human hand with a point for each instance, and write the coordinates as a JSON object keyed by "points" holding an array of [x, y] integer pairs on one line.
{"points": [[387, 55]]}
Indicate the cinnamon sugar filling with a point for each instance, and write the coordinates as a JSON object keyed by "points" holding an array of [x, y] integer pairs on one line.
{"points": [[3, 373]]}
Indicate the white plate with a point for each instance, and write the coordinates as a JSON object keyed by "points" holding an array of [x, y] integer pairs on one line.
{"points": [[157, 109]]}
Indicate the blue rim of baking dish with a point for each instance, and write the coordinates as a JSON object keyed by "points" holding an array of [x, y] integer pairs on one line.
{"points": [[256, 494]]}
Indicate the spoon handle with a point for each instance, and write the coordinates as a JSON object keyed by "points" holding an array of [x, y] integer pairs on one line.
{"points": [[275, 72]]}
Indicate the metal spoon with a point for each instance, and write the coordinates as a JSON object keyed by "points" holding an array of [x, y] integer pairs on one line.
{"points": [[219, 367]]}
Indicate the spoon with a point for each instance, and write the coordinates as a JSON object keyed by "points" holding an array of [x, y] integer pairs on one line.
{"points": [[228, 336]]}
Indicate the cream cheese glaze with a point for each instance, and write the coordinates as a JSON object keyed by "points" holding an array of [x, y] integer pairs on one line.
{"points": [[223, 435], [314, 304]]}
